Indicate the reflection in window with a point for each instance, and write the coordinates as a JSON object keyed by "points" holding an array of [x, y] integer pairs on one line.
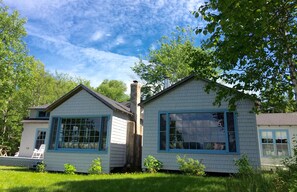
{"points": [[79, 133], [40, 138], [274, 143], [197, 131]]}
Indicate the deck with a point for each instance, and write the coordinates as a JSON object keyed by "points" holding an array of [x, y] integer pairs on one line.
{"points": [[19, 161]]}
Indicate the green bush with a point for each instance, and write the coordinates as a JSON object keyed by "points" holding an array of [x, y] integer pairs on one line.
{"points": [[69, 169], [152, 164], [95, 167], [40, 167], [247, 179], [243, 165], [190, 166], [288, 176]]}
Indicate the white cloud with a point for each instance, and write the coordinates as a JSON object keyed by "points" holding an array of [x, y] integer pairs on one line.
{"points": [[98, 35], [85, 34], [119, 40]]}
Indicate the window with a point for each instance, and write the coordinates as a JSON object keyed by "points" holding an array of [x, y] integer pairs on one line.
{"points": [[43, 114], [274, 142], [40, 138], [79, 133], [199, 131]]}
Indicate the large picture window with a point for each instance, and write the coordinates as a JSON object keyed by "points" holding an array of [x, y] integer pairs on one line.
{"points": [[274, 142], [200, 131], [79, 133]]}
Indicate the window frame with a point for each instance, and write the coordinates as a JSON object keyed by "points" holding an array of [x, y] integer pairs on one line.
{"points": [[274, 142], [197, 151], [80, 150], [36, 135]]}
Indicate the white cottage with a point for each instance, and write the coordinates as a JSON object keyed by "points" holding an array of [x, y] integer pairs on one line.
{"points": [[82, 125], [277, 137], [181, 120], [35, 130]]}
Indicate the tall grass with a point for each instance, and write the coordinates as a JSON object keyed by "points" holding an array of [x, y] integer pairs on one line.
{"points": [[20, 179]]}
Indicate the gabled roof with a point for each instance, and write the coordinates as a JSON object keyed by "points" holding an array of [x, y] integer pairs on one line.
{"points": [[181, 82], [107, 101], [276, 119]]}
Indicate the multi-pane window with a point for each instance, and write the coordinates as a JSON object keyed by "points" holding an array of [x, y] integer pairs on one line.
{"points": [[79, 133], [197, 131], [274, 143], [40, 138]]}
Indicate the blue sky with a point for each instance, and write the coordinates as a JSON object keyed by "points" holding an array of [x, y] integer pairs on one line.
{"points": [[101, 39]]}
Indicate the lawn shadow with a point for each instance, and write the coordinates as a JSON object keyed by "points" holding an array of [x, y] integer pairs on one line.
{"points": [[147, 184], [19, 169]]}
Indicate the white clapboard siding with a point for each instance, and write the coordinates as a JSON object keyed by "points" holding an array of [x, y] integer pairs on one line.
{"points": [[118, 140], [29, 136], [191, 96], [81, 104], [55, 161]]}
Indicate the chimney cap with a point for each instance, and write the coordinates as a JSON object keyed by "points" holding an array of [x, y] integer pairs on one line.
{"points": [[135, 81]]}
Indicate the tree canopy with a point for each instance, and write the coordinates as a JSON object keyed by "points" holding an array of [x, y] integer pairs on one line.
{"points": [[113, 89], [172, 60], [23, 79], [254, 43]]}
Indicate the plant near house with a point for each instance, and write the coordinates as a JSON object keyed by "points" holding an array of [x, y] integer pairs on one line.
{"points": [[288, 176], [40, 167], [190, 166], [96, 167], [69, 169], [247, 179], [152, 164], [244, 167]]}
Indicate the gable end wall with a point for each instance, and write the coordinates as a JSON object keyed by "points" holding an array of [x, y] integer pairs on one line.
{"points": [[192, 97]]}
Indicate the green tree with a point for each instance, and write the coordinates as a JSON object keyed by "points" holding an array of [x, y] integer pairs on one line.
{"points": [[173, 60], [113, 89], [48, 87], [254, 42], [16, 73]]}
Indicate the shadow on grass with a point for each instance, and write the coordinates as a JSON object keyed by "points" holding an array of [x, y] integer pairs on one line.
{"points": [[19, 169], [171, 183]]}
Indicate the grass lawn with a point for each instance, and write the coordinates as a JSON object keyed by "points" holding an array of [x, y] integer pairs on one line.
{"points": [[16, 179]]}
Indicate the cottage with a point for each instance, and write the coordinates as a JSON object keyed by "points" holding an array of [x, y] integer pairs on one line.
{"points": [[82, 125], [277, 137], [181, 120]]}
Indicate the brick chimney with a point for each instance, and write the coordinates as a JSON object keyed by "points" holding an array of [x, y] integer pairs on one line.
{"points": [[136, 110]]}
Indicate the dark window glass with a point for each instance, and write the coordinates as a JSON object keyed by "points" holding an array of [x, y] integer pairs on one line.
{"points": [[198, 131], [81, 133], [162, 138], [231, 132], [40, 139], [54, 130]]}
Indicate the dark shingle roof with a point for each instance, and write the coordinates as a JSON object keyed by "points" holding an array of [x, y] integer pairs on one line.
{"points": [[107, 101], [40, 107], [277, 119]]}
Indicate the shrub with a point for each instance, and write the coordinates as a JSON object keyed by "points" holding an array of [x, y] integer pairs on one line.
{"points": [[247, 179], [69, 169], [243, 165], [288, 176], [152, 164], [190, 166], [40, 167], [95, 167]]}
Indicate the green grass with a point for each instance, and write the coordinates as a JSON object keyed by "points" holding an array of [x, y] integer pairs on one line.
{"points": [[16, 179]]}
